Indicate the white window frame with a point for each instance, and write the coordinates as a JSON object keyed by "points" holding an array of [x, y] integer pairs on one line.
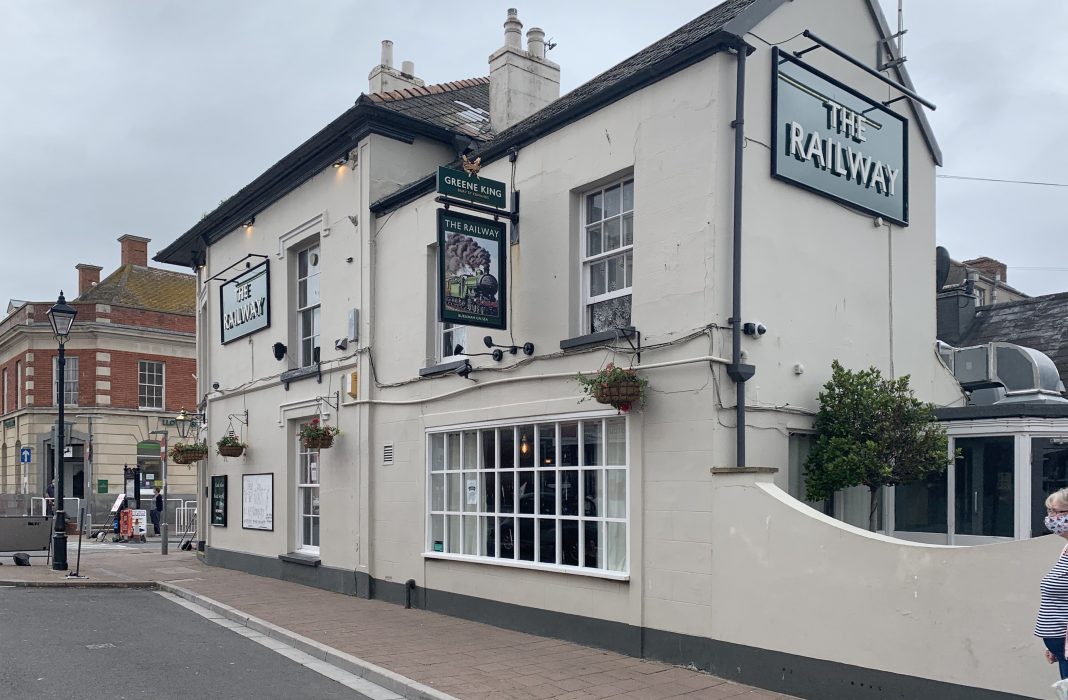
{"points": [[441, 491], [589, 262], [162, 384], [70, 367], [457, 335], [313, 485], [311, 309]]}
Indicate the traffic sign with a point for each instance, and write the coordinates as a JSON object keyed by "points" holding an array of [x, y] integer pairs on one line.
{"points": [[26, 455]]}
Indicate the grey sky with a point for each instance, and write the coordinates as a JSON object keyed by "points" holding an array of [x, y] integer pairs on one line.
{"points": [[138, 117]]}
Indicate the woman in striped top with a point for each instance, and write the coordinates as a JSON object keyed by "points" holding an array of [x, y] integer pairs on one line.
{"points": [[1053, 611]]}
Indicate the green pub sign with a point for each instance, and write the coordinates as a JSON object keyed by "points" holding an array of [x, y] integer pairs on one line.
{"points": [[218, 500], [471, 270], [480, 190]]}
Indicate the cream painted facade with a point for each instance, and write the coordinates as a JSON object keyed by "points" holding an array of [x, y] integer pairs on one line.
{"points": [[708, 559]]}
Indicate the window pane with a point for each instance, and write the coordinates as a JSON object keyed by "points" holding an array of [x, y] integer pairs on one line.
{"points": [[628, 195], [612, 237], [546, 445], [611, 201], [547, 492], [452, 541], [569, 492], [597, 279], [470, 445], [615, 547], [507, 438], [569, 555], [920, 506], [526, 446], [437, 533], [616, 487], [489, 539], [526, 539], [437, 451], [630, 270], [507, 491], [489, 449], [592, 544], [617, 273], [489, 490], [569, 444], [592, 495], [470, 525], [506, 528], [452, 440], [547, 540], [525, 490], [302, 264], [313, 290], [437, 492], [594, 245], [609, 315], [617, 441], [628, 230], [452, 493], [591, 443], [302, 294], [1049, 473], [594, 208], [470, 491]]}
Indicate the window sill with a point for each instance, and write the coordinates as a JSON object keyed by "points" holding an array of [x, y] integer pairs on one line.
{"points": [[444, 368], [533, 566], [584, 341], [300, 558], [295, 375]]}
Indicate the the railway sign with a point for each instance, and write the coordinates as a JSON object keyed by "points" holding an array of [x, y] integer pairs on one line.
{"points": [[471, 270]]}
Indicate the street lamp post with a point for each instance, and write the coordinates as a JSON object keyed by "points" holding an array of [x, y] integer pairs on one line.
{"points": [[163, 464], [61, 317], [183, 423]]}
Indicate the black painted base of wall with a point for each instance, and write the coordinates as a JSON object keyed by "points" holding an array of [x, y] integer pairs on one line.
{"points": [[801, 676]]}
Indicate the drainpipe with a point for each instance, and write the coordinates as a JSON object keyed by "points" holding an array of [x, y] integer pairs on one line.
{"points": [[737, 371]]}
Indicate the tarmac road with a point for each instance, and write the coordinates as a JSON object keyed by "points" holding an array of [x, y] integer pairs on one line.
{"points": [[130, 643]]}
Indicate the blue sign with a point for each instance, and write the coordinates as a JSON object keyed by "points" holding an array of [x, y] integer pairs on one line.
{"points": [[26, 455]]}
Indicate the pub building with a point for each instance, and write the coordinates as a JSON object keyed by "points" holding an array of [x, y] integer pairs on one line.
{"points": [[715, 212]]}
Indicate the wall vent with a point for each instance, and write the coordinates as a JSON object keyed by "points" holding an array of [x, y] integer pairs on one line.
{"points": [[387, 454]]}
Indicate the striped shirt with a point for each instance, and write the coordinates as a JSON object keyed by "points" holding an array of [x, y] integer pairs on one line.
{"points": [[1053, 611]]}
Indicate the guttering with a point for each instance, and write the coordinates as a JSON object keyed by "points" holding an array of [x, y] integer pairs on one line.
{"points": [[737, 371]]}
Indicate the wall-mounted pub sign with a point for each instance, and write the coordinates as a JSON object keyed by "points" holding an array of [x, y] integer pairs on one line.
{"points": [[471, 270], [833, 140], [473, 188], [245, 302]]}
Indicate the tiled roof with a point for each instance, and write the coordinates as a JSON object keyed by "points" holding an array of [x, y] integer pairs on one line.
{"points": [[148, 288], [462, 105], [1040, 323]]}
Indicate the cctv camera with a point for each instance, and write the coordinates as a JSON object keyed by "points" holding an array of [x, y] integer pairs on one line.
{"points": [[341, 344], [754, 328]]}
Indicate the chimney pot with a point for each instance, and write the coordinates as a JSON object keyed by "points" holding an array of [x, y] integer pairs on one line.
{"points": [[387, 53], [134, 250], [536, 42], [513, 30], [408, 67]]}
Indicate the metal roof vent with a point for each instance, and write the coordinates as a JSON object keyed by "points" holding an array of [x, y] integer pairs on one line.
{"points": [[1006, 373]]}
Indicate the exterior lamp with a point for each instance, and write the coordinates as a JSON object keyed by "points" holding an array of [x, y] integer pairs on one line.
{"points": [[183, 422], [61, 317]]}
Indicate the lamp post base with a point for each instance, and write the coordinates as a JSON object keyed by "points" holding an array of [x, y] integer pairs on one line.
{"points": [[59, 551]]}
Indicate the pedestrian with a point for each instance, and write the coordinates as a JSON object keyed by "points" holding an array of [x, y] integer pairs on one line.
{"points": [[157, 510], [1052, 620], [50, 498]]}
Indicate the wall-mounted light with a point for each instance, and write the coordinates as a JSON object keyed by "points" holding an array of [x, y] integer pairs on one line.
{"points": [[248, 224], [279, 350], [339, 162], [498, 352]]}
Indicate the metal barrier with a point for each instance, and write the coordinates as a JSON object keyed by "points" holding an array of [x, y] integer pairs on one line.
{"points": [[185, 518], [44, 505]]}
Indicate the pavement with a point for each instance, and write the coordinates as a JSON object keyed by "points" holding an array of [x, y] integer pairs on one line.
{"points": [[414, 653]]}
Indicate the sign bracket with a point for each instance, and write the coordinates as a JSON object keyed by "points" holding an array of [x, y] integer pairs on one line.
{"points": [[511, 214]]}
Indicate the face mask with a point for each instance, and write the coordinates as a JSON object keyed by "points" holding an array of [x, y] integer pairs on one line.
{"points": [[1057, 524]]}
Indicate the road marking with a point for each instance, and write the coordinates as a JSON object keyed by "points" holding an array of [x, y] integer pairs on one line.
{"points": [[105, 645]]}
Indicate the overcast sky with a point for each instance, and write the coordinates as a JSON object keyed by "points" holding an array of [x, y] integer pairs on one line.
{"points": [[140, 116]]}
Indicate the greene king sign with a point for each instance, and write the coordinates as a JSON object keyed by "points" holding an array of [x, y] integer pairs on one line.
{"points": [[832, 140]]}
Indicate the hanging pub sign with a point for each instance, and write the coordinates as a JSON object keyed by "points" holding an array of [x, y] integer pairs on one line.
{"points": [[832, 140], [471, 270], [245, 302], [471, 187]]}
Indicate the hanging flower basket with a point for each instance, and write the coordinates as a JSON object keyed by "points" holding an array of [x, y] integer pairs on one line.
{"points": [[229, 446], [617, 387], [314, 435], [187, 454]]}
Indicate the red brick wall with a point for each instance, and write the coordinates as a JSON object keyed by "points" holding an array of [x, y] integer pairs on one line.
{"points": [[179, 389]]}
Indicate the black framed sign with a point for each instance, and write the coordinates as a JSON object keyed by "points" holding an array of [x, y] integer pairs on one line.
{"points": [[218, 500], [472, 270], [832, 140], [245, 304], [257, 501]]}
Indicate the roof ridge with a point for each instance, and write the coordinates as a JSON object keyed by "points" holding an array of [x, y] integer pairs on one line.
{"points": [[422, 90]]}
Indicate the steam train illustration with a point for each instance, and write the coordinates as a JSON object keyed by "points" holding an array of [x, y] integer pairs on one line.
{"points": [[474, 293]]}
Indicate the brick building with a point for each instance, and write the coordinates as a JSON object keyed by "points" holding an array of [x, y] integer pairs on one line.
{"points": [[130, 367]]}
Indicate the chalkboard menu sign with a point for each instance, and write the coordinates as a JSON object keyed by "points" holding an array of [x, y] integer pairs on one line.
{"points": [[218, 500], [257, 501]]}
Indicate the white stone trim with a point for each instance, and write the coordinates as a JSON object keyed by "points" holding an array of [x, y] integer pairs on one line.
{"points": [[320, 221]]}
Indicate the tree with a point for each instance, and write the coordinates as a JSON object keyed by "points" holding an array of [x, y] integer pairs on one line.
{"points": [[872, 432]]}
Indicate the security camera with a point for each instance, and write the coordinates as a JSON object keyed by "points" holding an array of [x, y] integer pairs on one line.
{"points": [[341, 344], [754, 328]]}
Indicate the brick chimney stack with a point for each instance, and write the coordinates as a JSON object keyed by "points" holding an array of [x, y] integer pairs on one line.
{"points": [[134, 250], [88, 277], [994, 269], [521, 81]]}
